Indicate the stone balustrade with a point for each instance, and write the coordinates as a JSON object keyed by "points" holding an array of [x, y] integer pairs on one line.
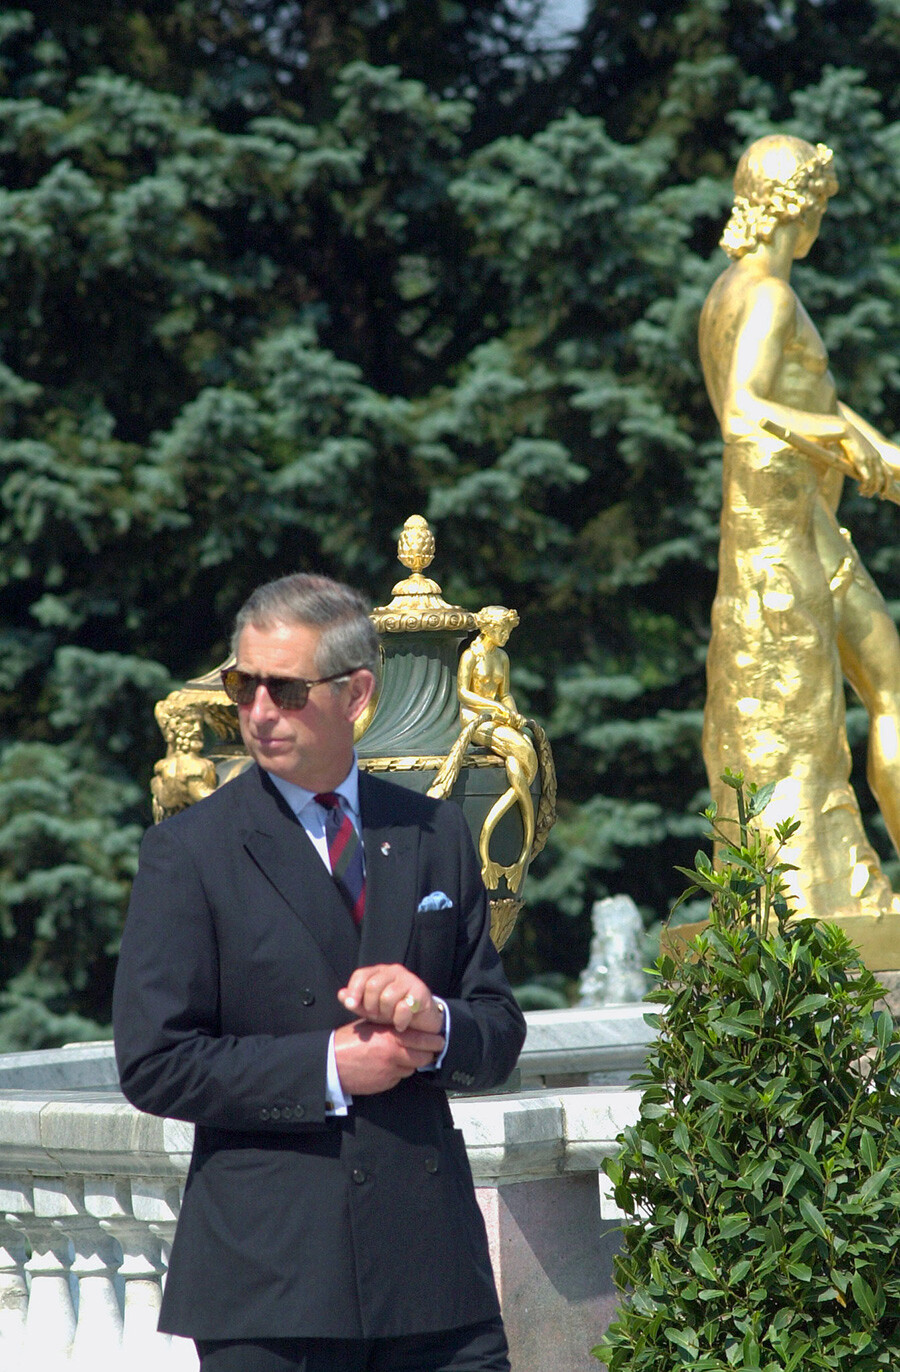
{"points": [[89, 1194], [90, 1190]]}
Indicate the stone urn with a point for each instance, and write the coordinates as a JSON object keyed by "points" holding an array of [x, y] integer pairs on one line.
{"points": [[442, 722]]}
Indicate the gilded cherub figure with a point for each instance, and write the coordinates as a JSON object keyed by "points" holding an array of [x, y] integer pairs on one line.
{"points": [[485, 699], [183, 775]]}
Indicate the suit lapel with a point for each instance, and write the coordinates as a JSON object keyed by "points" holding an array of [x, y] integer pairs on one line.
{"points": [[391, 875], [280, 847]]}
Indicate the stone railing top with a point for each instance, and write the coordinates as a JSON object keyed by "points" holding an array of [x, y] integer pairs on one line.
{"points": [[53, 1133], [608, 1039], [508, 1137], [543, 1134], [611, 1039], [78, 1066]]}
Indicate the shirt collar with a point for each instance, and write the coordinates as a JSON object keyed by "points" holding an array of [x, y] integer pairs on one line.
{"points": [[298, 797]]}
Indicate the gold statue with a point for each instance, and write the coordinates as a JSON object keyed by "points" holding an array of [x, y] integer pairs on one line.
{"points": [[184, 774], [794, 607], [486, 706]]}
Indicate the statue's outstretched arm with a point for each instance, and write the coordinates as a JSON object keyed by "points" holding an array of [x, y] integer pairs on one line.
{"points": [[888, 452]]}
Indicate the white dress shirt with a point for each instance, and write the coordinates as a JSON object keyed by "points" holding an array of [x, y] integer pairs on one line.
{"points": [[312, 816]]}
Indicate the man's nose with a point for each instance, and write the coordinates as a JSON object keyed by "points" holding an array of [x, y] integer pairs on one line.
{"points": [[263, 706]]}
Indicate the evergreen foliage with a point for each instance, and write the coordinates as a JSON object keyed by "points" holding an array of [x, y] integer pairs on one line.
{"points": [[275, 275], [762, 1176]]}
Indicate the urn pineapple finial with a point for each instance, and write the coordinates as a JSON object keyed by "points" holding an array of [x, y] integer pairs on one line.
{"points": [[417, 602], [415, 546]]}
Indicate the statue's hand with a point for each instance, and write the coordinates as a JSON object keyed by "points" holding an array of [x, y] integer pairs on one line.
{"points": [[873, 473]]}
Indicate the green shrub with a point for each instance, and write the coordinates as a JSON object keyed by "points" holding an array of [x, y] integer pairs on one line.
{"points": [[761, 1179]]}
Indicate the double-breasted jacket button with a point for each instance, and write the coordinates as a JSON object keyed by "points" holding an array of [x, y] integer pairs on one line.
{"points": [[264, 1114], [307, 997], [358, 1175], [431, 1163]]}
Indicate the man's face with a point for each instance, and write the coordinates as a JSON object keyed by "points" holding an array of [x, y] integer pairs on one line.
{"points": [[312, 747]]}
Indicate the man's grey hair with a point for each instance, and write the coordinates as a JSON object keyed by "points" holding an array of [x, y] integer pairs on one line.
{"points": [[348, 636]]}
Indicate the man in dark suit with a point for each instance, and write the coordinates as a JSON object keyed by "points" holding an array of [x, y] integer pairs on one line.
{"points": [[306, 965]]}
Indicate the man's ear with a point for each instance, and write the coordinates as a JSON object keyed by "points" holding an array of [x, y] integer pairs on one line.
{"points": [[362, 687]]}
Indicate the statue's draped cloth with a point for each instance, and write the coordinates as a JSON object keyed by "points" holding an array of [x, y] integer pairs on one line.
{"points": [[775, 695]]}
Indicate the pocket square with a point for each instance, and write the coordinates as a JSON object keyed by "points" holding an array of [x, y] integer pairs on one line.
{"points": [[435, 900]]}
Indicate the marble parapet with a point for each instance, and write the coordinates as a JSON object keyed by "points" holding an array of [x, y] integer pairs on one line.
{"points": [[508, 1137], [77, 1067], [90, 1191], [602, 1045]]}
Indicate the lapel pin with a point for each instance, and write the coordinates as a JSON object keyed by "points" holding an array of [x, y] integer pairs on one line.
{"points": [[385, 848]]}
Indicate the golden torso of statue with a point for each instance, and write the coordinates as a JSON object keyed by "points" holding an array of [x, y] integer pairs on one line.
{"points": [[487, 679]]}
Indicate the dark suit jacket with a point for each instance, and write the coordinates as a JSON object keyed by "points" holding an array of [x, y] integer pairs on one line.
{"points": [[294, 1224]]}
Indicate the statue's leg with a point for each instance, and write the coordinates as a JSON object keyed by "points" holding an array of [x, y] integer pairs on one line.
{"points": [[520, 782], [492, 871], [521, 769], [521, 762], [869, 648], [775, 697]]}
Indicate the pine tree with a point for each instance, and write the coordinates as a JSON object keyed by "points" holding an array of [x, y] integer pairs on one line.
{"points": [[274, 276]]}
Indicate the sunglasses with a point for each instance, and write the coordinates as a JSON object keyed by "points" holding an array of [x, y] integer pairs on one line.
{"points": [[285, 692]]}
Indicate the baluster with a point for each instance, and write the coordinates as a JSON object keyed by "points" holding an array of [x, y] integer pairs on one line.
{"points": [[16, 1201], [13, 1297], [159, 1203], [50, 1322], [97, 1346], [183, 1355], [108, 1200], [143, 1348]]}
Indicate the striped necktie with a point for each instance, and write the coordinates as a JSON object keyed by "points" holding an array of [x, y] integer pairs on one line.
{"points": [[345, 853]]}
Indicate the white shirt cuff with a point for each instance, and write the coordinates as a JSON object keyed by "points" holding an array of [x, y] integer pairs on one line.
{"points": [[336, 1102], [438, 1062]]}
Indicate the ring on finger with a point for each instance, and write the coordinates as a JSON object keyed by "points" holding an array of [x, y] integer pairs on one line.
{"points": [[414, 1004]]}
